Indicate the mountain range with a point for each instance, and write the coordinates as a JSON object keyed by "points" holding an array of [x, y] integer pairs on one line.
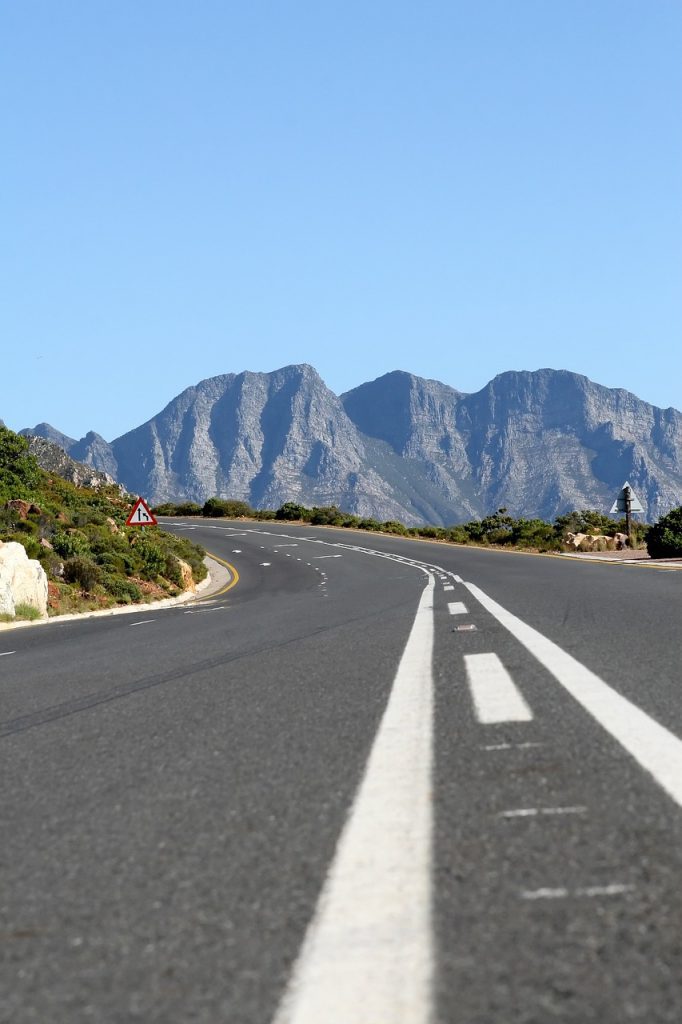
{"points": [[400, 447]]}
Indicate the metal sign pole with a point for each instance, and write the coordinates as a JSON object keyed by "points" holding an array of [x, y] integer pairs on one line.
{"points": [[628, 513]]}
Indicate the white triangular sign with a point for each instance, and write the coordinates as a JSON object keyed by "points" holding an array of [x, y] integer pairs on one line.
{"points": [[620, 504]]}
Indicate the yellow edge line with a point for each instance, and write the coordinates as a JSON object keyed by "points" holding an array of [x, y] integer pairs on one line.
{"points": [[233, 582]]}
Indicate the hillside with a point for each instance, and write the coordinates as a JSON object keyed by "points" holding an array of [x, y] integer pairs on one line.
{"points": [[78, 534]]}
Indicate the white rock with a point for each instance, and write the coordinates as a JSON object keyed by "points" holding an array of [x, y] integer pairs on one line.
{"points": [[22, 580]]}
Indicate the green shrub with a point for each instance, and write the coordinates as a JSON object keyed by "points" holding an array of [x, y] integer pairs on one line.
{"points": [[664, 538], [152, 558], [82, 571], [121, 590], [68, 545]]}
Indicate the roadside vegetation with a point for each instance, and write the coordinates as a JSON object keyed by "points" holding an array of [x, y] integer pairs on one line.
{"points": [[91, 558], [496, 530]]}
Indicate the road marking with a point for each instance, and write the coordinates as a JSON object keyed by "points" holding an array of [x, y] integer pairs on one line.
{"points": [[367, 955], [615, 889], [656, 749], [236, 551], [458, 579], [4, 654], [449, 587], [266, 563], [457, 608], [234, 575], [142, 622], [533, 812], [509, 746], [278, 546], [496, 698], [316, 558]]}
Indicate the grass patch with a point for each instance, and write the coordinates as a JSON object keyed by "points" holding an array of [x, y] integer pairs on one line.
{"points": [[27, 612]]}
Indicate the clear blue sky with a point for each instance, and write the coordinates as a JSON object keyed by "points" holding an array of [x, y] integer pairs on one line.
{"points": [[450, 188]]}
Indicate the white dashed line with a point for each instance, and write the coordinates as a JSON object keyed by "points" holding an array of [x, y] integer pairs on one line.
{"points": [[4, 654], [449, 587], [496, 698], [653, 746], [509, 746], [533, 812], [142, 622], [266, 563], [616, 889], [368, 952], [457, 608]]}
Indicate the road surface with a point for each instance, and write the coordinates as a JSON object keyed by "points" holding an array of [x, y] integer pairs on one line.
{"points": [[377, 782]]}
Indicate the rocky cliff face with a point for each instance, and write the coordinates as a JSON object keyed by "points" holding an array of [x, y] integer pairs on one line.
{"points": [[53, 459], [402, 447]]}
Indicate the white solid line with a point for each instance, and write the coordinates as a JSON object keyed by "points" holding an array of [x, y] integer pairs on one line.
{"points": [[5, 653], [457, 608], [653, 746], [142, 622], [367, 956], [495, 697], [449, 587], [458, 579], [532, 812]]}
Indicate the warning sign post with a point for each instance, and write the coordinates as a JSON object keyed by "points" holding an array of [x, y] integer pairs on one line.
{"points": [[141, 515]]}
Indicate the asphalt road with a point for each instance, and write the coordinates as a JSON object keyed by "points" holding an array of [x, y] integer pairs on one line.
{"points": [[378, 782]]}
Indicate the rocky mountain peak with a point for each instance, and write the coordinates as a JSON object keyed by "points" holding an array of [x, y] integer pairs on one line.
{"points": [[401, 446]]}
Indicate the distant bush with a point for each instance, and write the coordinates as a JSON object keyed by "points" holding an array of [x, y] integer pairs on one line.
{"points": [[664, 538], [328, 515], [226, 507], [290, 510], [168, 508]]}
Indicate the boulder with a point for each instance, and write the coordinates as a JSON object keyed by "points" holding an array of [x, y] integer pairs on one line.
{"points": [[22, 508], [22, 580], [187, 578]]}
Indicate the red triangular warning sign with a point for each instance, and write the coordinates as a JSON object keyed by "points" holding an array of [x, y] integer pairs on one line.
{"points": [[141, 516]]}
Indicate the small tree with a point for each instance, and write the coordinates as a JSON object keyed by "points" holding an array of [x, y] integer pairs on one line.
{"points": [[19, 471]]}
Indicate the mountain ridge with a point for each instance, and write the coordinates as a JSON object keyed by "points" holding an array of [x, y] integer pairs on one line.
{"points": [[400, 447]]}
